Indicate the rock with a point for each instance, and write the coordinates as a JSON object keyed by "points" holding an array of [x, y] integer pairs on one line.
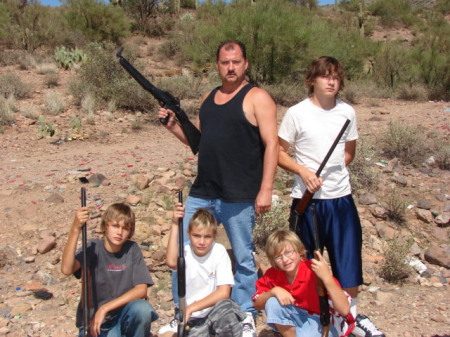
{"points": [[392, 165], [133, 200], [97, 179], [443, 220], [386, 232], [424, 204], [55, 198], [367, 199], [141, 181], [424, 215], [46, 244], [379, 212], [438, 256], [400, 180]]}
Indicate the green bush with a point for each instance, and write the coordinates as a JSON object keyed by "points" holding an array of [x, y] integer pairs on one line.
{"points": [[393, 13], [181, 86], [395, 268], [97, 20], [12, 85], [30, 27], [104, 78], [405, 142]]}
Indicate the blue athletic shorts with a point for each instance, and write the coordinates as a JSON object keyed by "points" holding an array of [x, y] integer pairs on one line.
{"points": [[339, 231]]}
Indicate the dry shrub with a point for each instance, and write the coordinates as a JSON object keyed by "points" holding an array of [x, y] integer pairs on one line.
{"points": [[277, 218], [362, 173], [6, 110], [396, 207], [286, 94], [12, 85], [54, 103], [412, 93], [395, 268], [442, 154], [405, 142], [51, 80]]}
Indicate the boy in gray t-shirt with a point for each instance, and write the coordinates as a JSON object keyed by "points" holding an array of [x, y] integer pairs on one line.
{"points": [[117, 273]]}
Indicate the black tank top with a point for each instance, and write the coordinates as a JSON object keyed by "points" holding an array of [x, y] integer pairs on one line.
{"points": [[230, 160]]}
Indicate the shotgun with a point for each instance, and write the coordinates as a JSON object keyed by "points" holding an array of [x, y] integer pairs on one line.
{"points": [[181, 269], [321, 290], [307, 196], [167, 101], [85, 284]]}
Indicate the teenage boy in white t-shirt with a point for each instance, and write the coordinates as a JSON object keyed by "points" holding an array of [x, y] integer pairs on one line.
{"points": [[310, 127], [209, 278]]}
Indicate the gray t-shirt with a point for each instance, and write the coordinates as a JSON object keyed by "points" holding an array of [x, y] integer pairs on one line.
{"points": [[112, 274]]}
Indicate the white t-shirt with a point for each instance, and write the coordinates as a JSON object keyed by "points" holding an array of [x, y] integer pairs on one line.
{"points": [[204, 274], [311, 131]]}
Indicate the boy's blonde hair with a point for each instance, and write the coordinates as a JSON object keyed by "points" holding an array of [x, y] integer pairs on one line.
{"points": [[203, 219], [118, 212], [278, 240]]}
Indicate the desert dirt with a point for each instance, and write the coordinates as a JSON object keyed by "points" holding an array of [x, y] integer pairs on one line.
{"points": [[40, 188]]}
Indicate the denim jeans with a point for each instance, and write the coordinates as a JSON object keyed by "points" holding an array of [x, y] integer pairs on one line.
{"points": [[134, 320], [238, 220], [291, 315]]}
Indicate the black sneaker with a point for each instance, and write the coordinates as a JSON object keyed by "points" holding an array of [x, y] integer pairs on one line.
{"points": [[365, 328]]}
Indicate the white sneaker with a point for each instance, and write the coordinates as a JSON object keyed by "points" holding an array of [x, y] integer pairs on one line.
{"points": [[248, 326], [365, 328], [171, 327]]}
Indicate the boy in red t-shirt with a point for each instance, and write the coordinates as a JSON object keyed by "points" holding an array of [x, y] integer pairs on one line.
{"points": [[287, 291]]}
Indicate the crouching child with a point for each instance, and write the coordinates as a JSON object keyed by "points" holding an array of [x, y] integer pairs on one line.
{"points": [[209, 278], [117, 275], [287, 291]]}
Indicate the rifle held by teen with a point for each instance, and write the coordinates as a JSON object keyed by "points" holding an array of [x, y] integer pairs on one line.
{"points": [[166, 100], [85, 282], [321, 290], [307, 196], [181, 269]]}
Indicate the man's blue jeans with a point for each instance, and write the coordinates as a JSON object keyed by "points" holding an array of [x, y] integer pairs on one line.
{"points": [[238, 220], [133, 321]]}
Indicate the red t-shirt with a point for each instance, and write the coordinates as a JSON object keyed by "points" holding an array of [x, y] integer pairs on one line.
{"points": [[303, 289]]}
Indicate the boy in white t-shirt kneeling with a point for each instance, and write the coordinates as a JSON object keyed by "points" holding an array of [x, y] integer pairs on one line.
{"points": [[209, 278]]}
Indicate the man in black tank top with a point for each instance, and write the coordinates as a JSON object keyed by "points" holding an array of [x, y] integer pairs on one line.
{"points": [[238, 157]]}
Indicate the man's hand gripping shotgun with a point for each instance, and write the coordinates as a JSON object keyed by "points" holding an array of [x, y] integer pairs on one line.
{"points": [[307, 196], [181, 269], [166, 100]]}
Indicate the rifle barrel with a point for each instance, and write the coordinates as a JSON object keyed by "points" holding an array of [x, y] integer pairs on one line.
{"points": [[86, 315]]}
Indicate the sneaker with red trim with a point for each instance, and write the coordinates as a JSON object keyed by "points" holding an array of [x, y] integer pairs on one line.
{"points": [[365, 328]]}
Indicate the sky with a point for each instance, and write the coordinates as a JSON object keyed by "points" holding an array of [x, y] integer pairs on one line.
{"points": [[57, 2]]}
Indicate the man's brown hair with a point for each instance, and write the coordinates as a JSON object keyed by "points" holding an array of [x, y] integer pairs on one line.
{"points": [[118, 212], [324, 66]]}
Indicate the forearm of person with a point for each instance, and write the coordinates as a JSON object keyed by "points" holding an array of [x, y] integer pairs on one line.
{"points": [[350, 152], [172, 248], [178, 132], [269, 166], [221, 293], [260, 302], [68, 262], [338, 297], [136, 293]]}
